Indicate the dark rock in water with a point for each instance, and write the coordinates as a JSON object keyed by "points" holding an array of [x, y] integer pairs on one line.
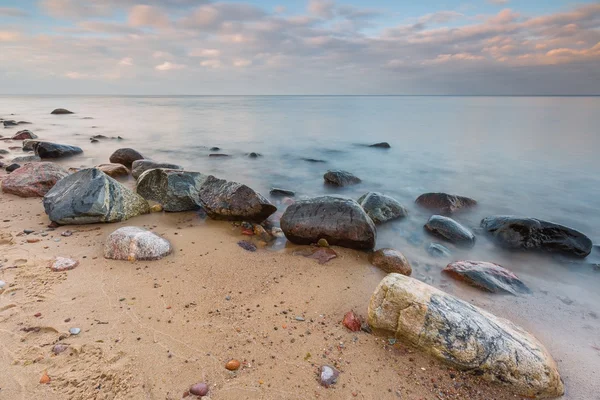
{"points": [[215, 149], [173, 189], [26, 159], [338, 220], [99, 136], [29, 144], [25, 134], [125, 156], [382, 145], [443, 202], [534, 234], [487, 276], [140, 166], [12, 167], [90, 196], [381, 208], [282, 192], [9, 122], [449, 229], [53, 150], [438, 251], [33, 179], [87, 118], [254, 155], [61, 111], [391, 261], [218, 155], [233, 201], [94, 141], [340, 178], [23, 123], [3, 151], [246, 245], [328, 375], [313, 160], [131, 243]]}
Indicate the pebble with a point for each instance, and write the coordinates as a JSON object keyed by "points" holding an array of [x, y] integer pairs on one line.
{"points": [[298, 318], [232, 365], [59, 348], [66, 233], [45, 379], [227, 298], [74, 331], [323, 243], [33, 240], [63, 264], [328, 375], [246, 245], [199, 389], [28, 231], [351, 321], [2, 285]]}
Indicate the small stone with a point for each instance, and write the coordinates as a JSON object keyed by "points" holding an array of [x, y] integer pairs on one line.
{"points": [[232, 365], [156, 208], [391, 261], [63, 264], [246, 245], [37, 315], [45, 379], [352, 322], [59, 348], [2, 285], [74, 331], [199, 389], [298, 318], [438, 251], [33, 240], [28, 231], [66, 233], [328, 375], [322, 243], [227, 298]]}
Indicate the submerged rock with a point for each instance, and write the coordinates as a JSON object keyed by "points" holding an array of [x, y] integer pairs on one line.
{"points": [[382, 145], [125, 156], [61, 111], [9, 122], [26, 159], [234, 201], [12, 167], [340, 178], [487, 276], [449, 229], [381, 208], [131, 243], [54, 150], [390, 260], [90, 196], [338, 220], [113, 170], [25, 134], [464, 336], [438, 251], [444, 202], [321, 254], [282, 192], [535, 234], [173, 189], [313, 160], [33, 179], [138, 167]]}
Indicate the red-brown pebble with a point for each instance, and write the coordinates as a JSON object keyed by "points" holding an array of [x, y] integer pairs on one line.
{"points": [[232, 365], [351, 321]]}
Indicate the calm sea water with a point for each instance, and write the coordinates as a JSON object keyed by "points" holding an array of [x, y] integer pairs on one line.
{"points": [[528, 156]]}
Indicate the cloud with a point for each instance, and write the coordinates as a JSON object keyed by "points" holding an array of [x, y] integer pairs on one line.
{"points": [[168, 66], [211, 63], [9, 36], [13, 12], [440, 17], [144, 15], [208, 53], [212, 16], [321, 8], [127, 62], [240, 62], [499, 2]]}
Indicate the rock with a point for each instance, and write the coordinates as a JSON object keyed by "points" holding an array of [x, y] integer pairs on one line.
{"points": [[45, 379], [33, 179], [254, 155], [232, 365], [438, 251], [61, 111], [140, 166], [233, 201], [61, 264], [381, 208], [199, 389], [487, 276], [262, 233], [9, 122], [351, 321], [2, 286], [24, 123], [464, 336], [390, 260], [338, 220], [321, 254], [94, 141], [126, 157], [535, 234], [449, 229], [26, 159], [340, 178], [53, 150], [175, 190], [29, 144], [322, 243], [25, 134], [156, 208], [215, 149], [246, 245], [382, 145], [99, 136], [281, 192], [113, 170], [74, 331], [90, 196], [4, 151], [328, 375], [131, 243], [218, 155], [12, 167], [444, 203], [313, 160], [59, 348]]}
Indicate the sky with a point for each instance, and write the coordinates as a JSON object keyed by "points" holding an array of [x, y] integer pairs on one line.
{"points": [[261, 47]]}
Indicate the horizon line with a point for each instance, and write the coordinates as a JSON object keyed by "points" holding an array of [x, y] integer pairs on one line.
{"points": [[296, 95]]}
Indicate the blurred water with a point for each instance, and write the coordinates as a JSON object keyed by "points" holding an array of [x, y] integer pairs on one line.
{"points": [[528, 156]]}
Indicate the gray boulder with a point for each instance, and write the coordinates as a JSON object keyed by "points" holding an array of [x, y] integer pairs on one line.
{"points": [[173, 189], [54, 150], [340, 178], [444, 202], [464, 336], [381, 208], [138, 167], [449, 229], [338, 220], [26, 159], [126, 157], [90, 196], [131, 243]]}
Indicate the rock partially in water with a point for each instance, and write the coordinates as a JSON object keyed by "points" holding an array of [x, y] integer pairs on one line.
{"points": [[391, 260], [487, 276], [29, 144], [175, 190], [313, 160], [138, 167], [444, 202], [12, 167], [113, 170], [233, 201], [61, 264], [61, 111], [125, 156], [24, 134], [254, 155], [215, 149], [535, 234], [90, 196], [328, 375], [381, 208], [131, 243], [26, 159], [340, 178], [9, 122], [338, 220], [464, 336], [33, 179], [382, 145], [449, 229], [54, 150], [218, 155], [282, 192], [438, 251]]}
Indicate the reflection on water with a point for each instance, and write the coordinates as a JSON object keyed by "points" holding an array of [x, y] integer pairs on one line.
{"points": [[534, 156]]}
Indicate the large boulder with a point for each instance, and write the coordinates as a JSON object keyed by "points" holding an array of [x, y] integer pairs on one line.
{"points": [[25, 134], [125, 156], [61, 111], [449, 229], [29, 144], [54, 150], [535, 234], [233, 201], [113, 170], [464, 336], [90, 196], [138, 167], [487, 276], [33, 179], [132, 243], [173, 189], [444, 202], [381, 208], [338, 220], [340, 178]]}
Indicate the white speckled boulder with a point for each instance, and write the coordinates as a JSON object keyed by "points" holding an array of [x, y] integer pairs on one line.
{"points": [[132, 243]]}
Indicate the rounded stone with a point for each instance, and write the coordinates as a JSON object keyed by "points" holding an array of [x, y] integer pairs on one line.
{"points": [[125, 156], [132, 243], [390, 260], [199, 389], [232, 365]]}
